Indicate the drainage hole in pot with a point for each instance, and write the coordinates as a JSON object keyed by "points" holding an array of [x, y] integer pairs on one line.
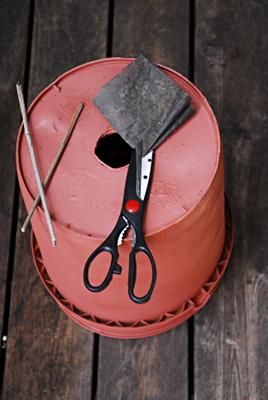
{"points": [[113, 151]]}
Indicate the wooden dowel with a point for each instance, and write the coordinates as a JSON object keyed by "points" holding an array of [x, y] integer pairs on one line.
{"points": [[54, 163], [34, 163]]}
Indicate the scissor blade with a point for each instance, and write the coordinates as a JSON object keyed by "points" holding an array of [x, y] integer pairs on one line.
{"points": [[122, 233], [146, 167]]}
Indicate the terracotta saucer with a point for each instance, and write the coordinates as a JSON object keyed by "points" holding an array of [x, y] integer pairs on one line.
{"points": [[141, 328]]}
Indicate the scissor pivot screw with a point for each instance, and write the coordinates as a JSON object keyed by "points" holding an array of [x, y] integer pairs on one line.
{"points": [[132, 206]]}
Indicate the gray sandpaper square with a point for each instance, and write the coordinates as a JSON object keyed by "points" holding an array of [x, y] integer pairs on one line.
{"points": [[143, 104]]}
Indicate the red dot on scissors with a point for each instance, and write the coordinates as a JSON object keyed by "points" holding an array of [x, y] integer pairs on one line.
{"points": [[132, 206]]}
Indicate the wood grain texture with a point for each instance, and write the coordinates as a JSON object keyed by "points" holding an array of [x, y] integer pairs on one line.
{"points": [[66, 34], [48, 356], [13, 44], [231, 333], [155, 28], [151, 368]]}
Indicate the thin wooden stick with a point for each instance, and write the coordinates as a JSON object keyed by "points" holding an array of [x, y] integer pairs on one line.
{"points": [[34, 163], [54, 162]]}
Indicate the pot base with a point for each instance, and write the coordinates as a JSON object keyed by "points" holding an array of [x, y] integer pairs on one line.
{"points": [[139, 329]]}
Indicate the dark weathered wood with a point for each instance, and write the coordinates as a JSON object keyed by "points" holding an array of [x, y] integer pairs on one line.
{"points": [[66, 34], [156, 28], [153, 368], [48, 356], [231, 333], [13, 44]]}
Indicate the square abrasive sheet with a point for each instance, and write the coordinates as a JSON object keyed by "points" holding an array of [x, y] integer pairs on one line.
{"points": [[143, 105]]}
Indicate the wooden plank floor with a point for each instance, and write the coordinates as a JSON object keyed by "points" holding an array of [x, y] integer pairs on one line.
{"points": [[219, 354]]}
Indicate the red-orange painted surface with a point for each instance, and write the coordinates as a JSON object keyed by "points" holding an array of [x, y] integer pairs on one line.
{"points": [[184, 221]]}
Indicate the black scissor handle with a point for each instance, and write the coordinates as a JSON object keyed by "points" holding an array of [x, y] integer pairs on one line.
{"points": [[110, 246], [133, 273], [113, 269]]}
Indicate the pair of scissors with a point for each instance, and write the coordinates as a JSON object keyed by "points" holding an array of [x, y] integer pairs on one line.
{"points": [[131, 215]]}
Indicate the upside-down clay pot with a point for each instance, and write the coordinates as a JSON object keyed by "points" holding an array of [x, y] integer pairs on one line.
{"points": [[187, 222]]}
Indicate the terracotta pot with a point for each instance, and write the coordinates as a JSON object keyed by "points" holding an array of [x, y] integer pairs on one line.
{"points": [[185, 222]]}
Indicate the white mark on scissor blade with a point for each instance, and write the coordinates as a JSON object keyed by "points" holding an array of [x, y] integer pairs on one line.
{"points": [[121, 236]]}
